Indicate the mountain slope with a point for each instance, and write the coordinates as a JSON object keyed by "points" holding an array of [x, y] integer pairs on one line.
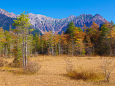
{"points": [[45, 24], [6, 19]]}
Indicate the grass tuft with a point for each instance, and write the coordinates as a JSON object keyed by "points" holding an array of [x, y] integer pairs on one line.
{"points": [[32, 67], [86, 75]]}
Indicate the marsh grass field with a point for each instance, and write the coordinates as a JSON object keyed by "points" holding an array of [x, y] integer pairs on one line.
{"points": [[53, 72]]}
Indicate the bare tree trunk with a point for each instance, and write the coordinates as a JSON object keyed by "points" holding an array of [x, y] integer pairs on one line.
{"points": [[26, 50], [72, 47], [59, 47], [52, 50], [23, 52], [42, 49], [111, 52]]}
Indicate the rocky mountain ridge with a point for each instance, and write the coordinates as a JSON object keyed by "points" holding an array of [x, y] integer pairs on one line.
{"points": [[44, 24]]}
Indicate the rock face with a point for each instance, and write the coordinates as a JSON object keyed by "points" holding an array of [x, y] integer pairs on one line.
{"points": [[43, 23]]}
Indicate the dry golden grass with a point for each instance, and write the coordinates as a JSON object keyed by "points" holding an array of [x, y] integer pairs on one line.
{"points": [[53, 72], [86, 75]]}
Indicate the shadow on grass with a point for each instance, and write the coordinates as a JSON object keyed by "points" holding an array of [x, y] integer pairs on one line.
{"points": [[16, 71]]}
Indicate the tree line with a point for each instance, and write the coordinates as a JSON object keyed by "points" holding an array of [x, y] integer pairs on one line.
{"points": [[21, 43], [94, 40]]}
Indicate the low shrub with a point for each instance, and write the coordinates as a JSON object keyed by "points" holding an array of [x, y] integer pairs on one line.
{"points": [[17, 63], [107, 66], [3, 62], [32, 67]]}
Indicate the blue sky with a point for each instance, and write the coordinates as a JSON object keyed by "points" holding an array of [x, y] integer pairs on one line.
{"points": [[62, 8]]}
